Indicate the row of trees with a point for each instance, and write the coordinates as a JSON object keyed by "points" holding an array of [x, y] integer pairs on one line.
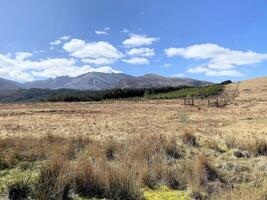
{"points": [[78, 95]]}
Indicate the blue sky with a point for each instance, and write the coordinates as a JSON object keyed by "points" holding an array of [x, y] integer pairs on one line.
{"points": [[209, 39]]}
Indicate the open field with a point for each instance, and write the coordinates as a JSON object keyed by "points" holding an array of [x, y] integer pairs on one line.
{"points": [[137, 149]]}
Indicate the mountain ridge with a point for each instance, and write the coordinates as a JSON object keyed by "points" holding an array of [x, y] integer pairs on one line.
{"points": [[102, 81]]}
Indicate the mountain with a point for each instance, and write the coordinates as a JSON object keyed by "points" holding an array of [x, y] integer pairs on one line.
{"points": [[153, 81], [11, 85], [88, 81], [96, 81], [50, 83], [100, 81]]}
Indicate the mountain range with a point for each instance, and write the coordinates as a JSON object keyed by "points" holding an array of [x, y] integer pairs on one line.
{"points": [[101, 81]]}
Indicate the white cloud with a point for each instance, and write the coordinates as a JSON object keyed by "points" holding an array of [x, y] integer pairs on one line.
{"points": [[96, 50], [73, 71], [125, 30], [137, 61], [143, 52], [21, 68], [198, 69], [65, 37], [21, 56], [218, 61], [98, 61], [102, 32], [59, 41], [180, 75], [139, 40], [211, 72], [167, 65], [229, 73], [56, 42], [74, 45]]}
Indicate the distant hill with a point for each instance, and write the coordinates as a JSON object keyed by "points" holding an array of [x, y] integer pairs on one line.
{"points": [[156, 81], [102, 81], [9, 85]]}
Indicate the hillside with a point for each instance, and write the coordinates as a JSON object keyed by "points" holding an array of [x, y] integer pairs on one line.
{"points": [[153, 80], [254, 89], [8, 84]]}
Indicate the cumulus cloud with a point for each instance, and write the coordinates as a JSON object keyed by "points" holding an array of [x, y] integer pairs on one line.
{"points": [[219, 61], [21, 56], [21, 68], [98, 61], [211, 72], [137, 61], [100, 51], [102, 32], [143, 52], [56, 42], [65, 37], [139, 40]]}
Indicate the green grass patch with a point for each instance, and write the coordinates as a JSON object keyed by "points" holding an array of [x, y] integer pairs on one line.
{"points": [[164, 193], [202, 92], [11, 176]]}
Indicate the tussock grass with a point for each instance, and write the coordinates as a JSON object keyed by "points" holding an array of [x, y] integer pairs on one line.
{"points": [[112, 169], [242, 193], [55, 179], [256, 145], [202, 175], [189, 138]]}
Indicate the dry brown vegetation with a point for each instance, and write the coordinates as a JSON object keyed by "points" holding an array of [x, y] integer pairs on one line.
{"points": [[117, 150]]}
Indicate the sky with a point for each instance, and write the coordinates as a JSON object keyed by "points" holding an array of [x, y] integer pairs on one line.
{"points": [[212, 40]]}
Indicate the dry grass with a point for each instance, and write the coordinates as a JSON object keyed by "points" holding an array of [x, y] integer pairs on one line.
{"points": [[243, 193], [256, 145], [55, 179], [189, 138], [115, 150]]}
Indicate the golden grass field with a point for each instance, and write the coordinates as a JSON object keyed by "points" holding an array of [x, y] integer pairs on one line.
{"points": [[231, 140]]}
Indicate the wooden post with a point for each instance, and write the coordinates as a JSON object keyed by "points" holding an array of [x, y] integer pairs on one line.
{"points": [[193, 101], [208, 102], [217, 102]]}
